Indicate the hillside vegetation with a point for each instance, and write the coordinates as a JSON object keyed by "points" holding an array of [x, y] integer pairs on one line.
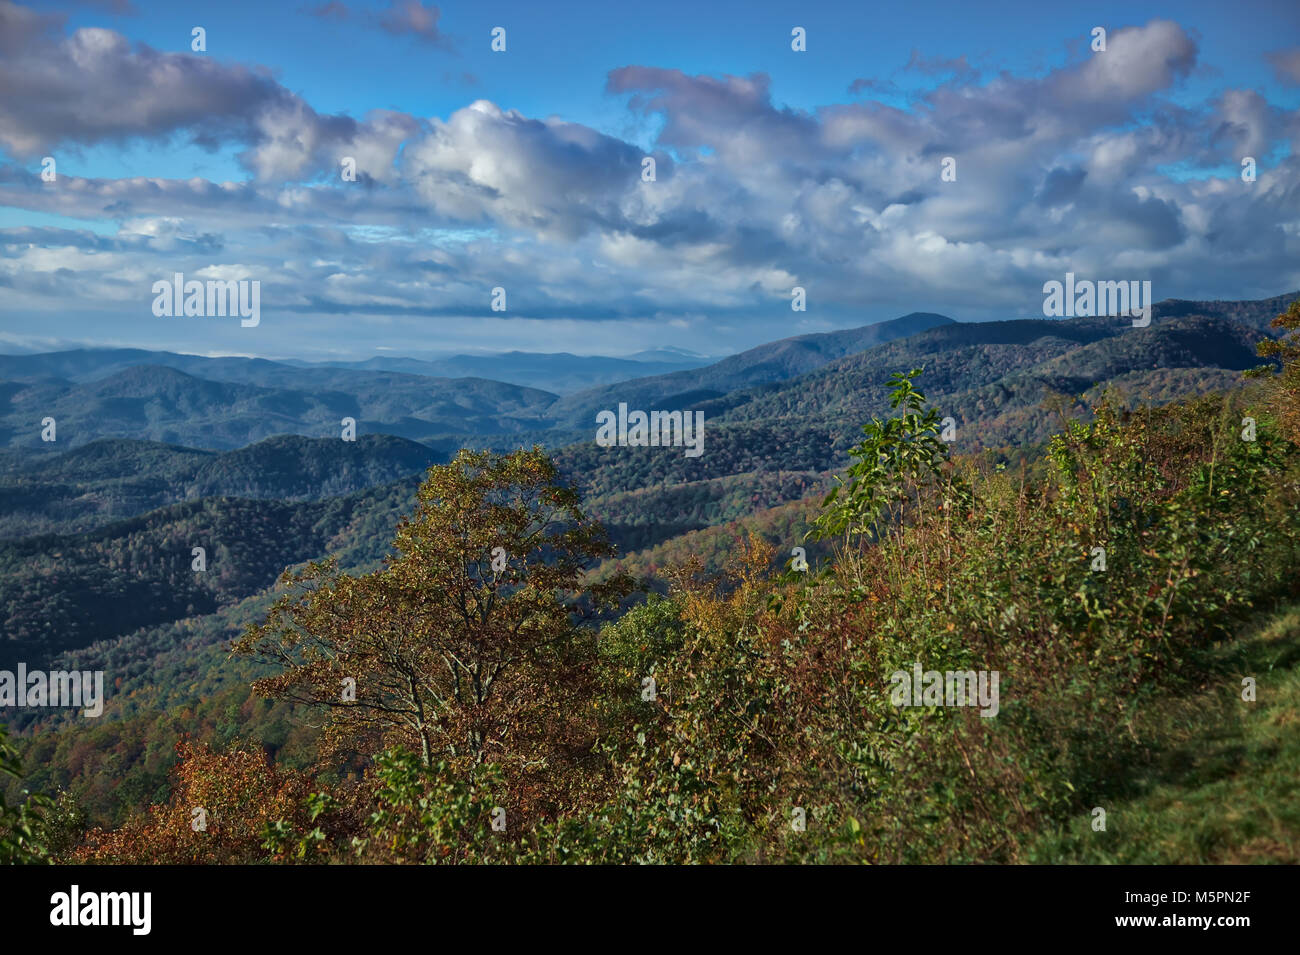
{"points": [[1123, 573], [773, 733]]}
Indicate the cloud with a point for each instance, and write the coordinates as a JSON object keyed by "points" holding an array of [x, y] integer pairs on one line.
{"points": [[1094, 167], [936, 66], [549, 176], [93, 87], [400, 18], [730, 113], [874, 85], [412, 18], [1286, 63], [333, 10]]}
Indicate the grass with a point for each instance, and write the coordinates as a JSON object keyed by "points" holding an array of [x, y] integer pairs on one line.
{"points": [[1221, 784]]}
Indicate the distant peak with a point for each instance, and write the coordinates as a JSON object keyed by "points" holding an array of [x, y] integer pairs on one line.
{"points": [[932, 317]]}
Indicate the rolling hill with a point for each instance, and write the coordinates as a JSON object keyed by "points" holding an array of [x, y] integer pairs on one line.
{"points": [[115, 478], [161, 403], [558, 372], [62, 592], [776, 361], [226, 403]]}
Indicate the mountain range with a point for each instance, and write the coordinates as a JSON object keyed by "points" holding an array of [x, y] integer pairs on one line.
{"points": [[225, 403], [159, 453], [558, 372]]}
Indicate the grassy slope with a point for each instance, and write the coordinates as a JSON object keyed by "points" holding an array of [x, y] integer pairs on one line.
{"points": [[1220, 784]]}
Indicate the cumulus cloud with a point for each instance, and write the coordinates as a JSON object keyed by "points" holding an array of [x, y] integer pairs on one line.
{"points": [[94, 87], [1093, 167], [732, 113], [550, 176]]}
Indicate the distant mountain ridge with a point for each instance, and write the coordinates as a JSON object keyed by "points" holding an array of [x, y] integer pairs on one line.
{"points": [[1012, 362], [162, 403], [559, 372], [226, 403], [992, 378], [776, 361], [116, 478]]}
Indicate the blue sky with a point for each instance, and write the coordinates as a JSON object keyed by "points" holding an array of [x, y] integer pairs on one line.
{"points": [[522, 169]]}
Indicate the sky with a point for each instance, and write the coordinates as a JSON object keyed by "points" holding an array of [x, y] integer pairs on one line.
{"points": [[523, 169]]}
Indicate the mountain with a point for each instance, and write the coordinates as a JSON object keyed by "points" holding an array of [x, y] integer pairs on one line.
{"points": [[115, 478], [775, 442], [558, 372], [980, 372], [89, 364], [161, 403], [225, 403], [65, 591], [775, 361], [790, 407], [101, 576], [1255, 313], [779, 417]]}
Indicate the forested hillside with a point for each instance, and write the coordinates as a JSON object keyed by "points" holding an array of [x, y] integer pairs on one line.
{"points": [[113, 478], [61, 592], [160, 403], [776, 361]]}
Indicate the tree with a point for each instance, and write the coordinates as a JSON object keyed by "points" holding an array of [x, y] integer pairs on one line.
{"points": [[222, 810], [23, 828], [1287, 351], [465, 646], [898, 467]]}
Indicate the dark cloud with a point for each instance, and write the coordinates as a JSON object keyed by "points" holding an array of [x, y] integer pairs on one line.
{"points": [[731, 113], [1060, 186], [93, 87]]}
